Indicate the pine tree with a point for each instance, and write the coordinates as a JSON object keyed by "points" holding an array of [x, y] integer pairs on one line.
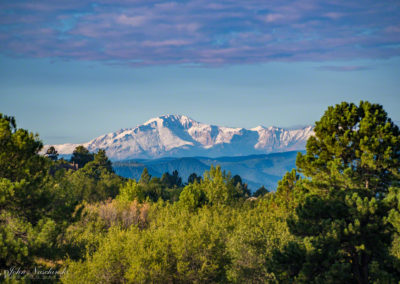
{"points": [[260, 192], [52, 153], [242, 188], [22, 171], [176, 179], [350, 164], [101, 160], [24, 197], [171, 181], [81, 156], [145, 177], [194, 178]]}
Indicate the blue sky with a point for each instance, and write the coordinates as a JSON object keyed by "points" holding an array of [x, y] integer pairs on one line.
{"points": [[73, 70]]}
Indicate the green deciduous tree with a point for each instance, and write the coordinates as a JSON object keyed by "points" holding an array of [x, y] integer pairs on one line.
{"points": [[219, 187], [192, 196], [132, 191]]}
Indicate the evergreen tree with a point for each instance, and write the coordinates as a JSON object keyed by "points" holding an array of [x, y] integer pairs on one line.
{"points": [[290, 191], [171, 181], [194, 178], [22, 171], [101, 160], [145, 177], [96, 180], [18, 152], [25, 200], [52, 153], [350, 165], [260, 192], [242, 188], [176, 179], [81, 156]]}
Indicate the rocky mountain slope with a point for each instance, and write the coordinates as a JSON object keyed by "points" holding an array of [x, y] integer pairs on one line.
{"points": [[181, 136]]}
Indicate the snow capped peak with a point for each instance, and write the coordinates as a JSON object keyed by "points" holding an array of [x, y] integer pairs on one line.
{"points": [[179, 135], [258, 128], [169, 119], [275, 128], [152, 120]]}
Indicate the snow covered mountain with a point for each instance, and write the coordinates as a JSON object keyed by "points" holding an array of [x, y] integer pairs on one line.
{"points": [[181, 136]]}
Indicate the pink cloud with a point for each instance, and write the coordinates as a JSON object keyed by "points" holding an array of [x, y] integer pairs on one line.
{"points": [[133, 21], [270, 18], [172, 42], [334, 15], [147, 32], [393, 29]]}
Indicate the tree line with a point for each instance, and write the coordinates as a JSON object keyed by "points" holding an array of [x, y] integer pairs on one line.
{"points": [[168, 187]]}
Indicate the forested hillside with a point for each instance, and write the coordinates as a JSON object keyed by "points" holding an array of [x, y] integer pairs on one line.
{"points": [[334, 219], [255, 170]]}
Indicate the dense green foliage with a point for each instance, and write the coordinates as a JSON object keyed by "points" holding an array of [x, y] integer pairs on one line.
{"points": [[334, 219], [38, 197], [352, 167]]}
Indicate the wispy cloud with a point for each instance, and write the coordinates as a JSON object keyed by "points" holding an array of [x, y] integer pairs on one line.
{"points": [[343, 68], [153, 32]]}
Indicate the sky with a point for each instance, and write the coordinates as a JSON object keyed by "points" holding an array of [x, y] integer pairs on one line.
{"points": [[72, 70]]}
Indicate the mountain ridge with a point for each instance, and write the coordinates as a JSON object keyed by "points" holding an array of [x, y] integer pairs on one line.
{"points": [[255, 170], [180, 136]]}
